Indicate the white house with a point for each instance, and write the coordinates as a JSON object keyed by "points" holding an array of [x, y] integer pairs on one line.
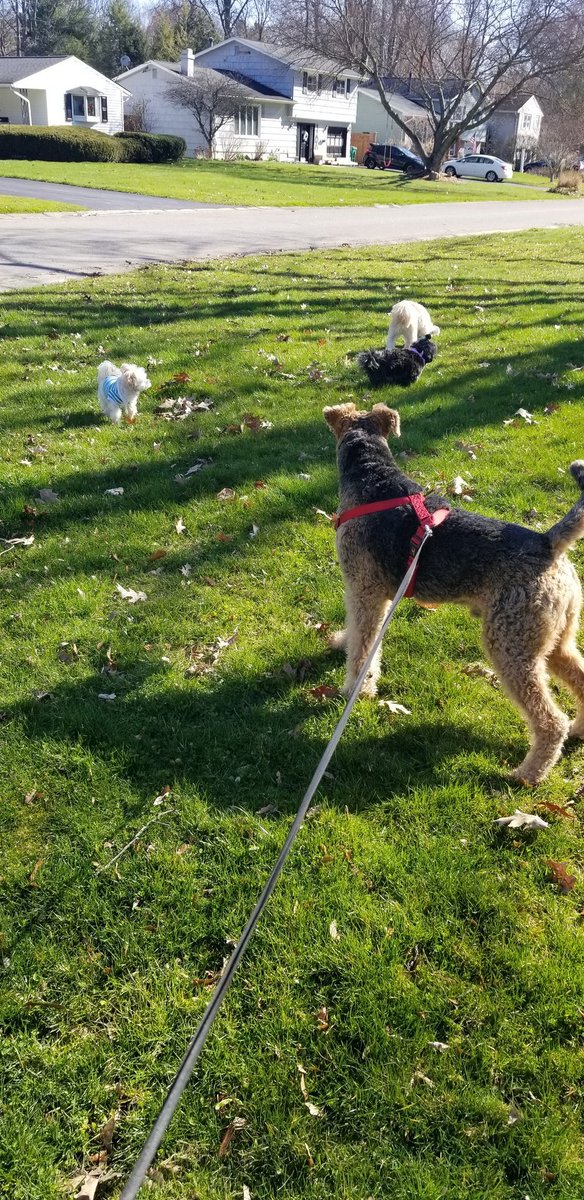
{"points": [[412, 101], [297, 106], [59, 91]]}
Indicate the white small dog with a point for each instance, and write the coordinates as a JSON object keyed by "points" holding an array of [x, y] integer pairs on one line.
{"points": [[411, 321], [118, 389]]}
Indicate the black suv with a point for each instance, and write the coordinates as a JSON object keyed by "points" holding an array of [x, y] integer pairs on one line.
{"points": [[392, 158]]}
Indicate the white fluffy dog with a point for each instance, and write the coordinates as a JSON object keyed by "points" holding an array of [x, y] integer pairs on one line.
{"points": [[411, 321], [118, 389]]}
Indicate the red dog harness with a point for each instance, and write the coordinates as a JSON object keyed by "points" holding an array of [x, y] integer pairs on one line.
{"points": [[426, 520]]}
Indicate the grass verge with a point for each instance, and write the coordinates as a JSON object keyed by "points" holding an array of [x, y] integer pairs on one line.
{"points": [[403, 919], [251, 183], [22, 204]]}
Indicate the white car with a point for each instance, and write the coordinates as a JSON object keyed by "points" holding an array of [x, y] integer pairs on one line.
{"points": [[479, 166]]}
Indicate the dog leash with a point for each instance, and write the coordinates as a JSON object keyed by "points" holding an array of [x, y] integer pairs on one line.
{"points": [[196, 1044]]}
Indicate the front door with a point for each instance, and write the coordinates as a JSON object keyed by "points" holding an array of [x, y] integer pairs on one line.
{"points": [[305, 148]]}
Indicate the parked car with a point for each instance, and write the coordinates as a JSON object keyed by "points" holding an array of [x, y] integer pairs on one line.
{"points": [[479, 166], [392, 158], [539, 167]]}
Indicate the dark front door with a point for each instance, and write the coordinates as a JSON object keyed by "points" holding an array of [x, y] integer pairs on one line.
{"points": [[306, 143]]}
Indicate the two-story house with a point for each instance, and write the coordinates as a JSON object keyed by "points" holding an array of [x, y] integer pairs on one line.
{"points": [[296, 105], [514, 129]]}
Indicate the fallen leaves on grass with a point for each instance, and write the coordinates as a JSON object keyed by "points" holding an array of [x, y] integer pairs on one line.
{"points": [[559, 875], [165, 793], [68, 652], [47, 496], [130, 594], [321, 513], [333, 932], [324, 691], [226, 493], [440, 1047], [234, 1127], [197, 466], [460, 487], [322, 1020], [109, 696], [392, 706], [525, 416], [204, 658], [181, 407], [567, 813], [550, 408], [37, 866], [117, 491], [223, 537], [12, 543], [156, 554], [180, 526], [106, 1133], [521, 820], [419, 1077], [479, 669], [90, 1184]]}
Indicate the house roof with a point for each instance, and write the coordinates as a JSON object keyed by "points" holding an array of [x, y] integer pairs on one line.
{"points": [[292, 56], [12, 69], [402, 104], [250, 88], [517, 102], [418, 90]]}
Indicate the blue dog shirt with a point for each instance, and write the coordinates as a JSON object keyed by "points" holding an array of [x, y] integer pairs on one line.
{"points": [[111, 390]]}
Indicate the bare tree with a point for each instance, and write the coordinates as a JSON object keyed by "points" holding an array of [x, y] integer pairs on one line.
{"points": [[458, 61], [257, 18], [212, 98], [228, 14]]}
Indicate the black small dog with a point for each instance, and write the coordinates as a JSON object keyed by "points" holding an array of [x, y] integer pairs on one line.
{"points": [[398, 366]]}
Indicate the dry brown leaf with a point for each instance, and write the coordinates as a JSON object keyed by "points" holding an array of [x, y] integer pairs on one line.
{"points": [[156, 554], [234, 1126], [224, 537], [302, 1072], [560, 876], [166, 791], [260, 484], [324, 692], [313, 1109], [226, 493], [322, 1020], [479, 669], [568, 813], [68, 652], [106, 1133], [182, 377], [89, 1185], [37, 866]]}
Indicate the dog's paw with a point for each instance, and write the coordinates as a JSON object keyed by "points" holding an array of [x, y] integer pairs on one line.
{"points": [[337, 640], [368, 689]]}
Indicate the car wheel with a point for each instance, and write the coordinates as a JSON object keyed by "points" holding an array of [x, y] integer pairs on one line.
{"points": [[369, 163], [491, 177], [450, 172]]}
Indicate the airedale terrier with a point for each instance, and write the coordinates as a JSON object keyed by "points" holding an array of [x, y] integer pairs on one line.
{"points": [[518, 581]]}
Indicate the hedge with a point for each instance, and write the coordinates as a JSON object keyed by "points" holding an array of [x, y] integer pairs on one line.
{"points": [[63, 143], [151, 147], [56, 143]]}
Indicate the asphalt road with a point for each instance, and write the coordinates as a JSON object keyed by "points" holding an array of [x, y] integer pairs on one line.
{"points": [[95, 199], [43, 248]]}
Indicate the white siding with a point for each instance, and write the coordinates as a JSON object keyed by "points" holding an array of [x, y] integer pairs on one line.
{"points": [[373, 118], [67, 76], [151, 85], [11, 106], [277, 135]]}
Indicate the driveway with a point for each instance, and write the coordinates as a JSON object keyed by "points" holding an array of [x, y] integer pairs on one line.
{"points": [[44, 248], [92, 198]]}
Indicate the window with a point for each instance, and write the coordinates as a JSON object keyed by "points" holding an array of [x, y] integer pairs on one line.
{"points": [[103, 108], [309, 82], [91, 106], [340, 87], [336, 145], [247, 121], [527, 120], [68, 107], [78, 106], [155, 72]]}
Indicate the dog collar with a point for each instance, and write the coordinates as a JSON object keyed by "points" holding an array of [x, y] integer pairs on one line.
{"points": [[112, 392], [418, 355], [426, 519]]}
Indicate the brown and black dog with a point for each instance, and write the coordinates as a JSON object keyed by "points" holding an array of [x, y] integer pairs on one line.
{"points": [[518, 581]]}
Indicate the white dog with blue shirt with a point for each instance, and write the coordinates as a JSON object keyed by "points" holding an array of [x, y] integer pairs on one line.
{"points": [[118, 389]]}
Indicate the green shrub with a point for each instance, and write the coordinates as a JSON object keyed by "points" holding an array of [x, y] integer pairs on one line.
{"points": [[150, 147], [56, 143]]}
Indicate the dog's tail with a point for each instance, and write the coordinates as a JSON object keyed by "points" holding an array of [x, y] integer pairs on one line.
{"points": [[106, 369], [435, 329], [571, 527]]}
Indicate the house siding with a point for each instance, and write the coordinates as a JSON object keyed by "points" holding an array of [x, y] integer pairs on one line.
{"points": [[250, 62], [371, 117], [47, 96], [507, 133], [150, 85]]}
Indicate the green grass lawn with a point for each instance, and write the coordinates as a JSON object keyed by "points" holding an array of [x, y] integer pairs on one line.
{"points": [[263, 183], [531, 180], [22, 204], [403, 918]]}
